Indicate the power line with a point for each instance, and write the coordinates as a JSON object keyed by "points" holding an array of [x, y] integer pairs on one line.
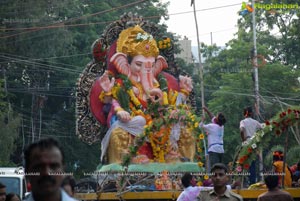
{"points": [[35, 9], [33, 59], [292, 99], [20, 39], [105, 22], [41, 65], [46, 94], [66, 56], [206, 9], [36, 59], [250, 95], [251, 90], [62, 24]]}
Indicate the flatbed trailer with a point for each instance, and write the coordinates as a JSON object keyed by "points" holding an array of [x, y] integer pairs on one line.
{"points": [[171, 195]]}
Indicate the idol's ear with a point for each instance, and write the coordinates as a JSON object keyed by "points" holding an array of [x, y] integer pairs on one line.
{"points": [[120, 61]]}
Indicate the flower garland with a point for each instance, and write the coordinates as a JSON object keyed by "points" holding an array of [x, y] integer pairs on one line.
{"points": [[159, 119], [166, 117], [164, 43], [277, 125], [143, 36], [160, 143], [158, 130], [199, 147]]}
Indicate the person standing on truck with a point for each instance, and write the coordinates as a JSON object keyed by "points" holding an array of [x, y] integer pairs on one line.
{"points": [[248, 127], [44, 162], [278, 168], [2, 192], [215, 134]]}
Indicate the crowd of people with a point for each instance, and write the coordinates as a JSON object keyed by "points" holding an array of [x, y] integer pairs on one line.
{"points": [[248, 128], [220, 182], [222, 191], [46, 158]]}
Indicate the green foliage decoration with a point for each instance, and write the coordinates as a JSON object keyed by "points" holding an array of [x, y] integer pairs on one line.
{"points": [[277, 125]]}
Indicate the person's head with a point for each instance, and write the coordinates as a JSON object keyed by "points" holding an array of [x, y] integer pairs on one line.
{"points": [[68, 185], [277, 155], [207, 182], [248, 112], [220, 119], [44, 161], [188, 180], [219, 175], [271, 181], [298, 166], [12, 197], [2, 192]]}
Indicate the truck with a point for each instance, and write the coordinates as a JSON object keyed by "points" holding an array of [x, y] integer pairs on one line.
{"points": [[14, 180]]}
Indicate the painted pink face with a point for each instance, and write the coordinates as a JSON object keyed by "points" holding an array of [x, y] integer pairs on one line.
{"points": [[141, 64], [186, 83], [143, 68]]}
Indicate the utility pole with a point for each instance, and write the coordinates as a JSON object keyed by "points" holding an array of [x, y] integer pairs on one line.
{"points": [[199, 55], [256, 86], [39, 82], [201, 82], [255, 66]]}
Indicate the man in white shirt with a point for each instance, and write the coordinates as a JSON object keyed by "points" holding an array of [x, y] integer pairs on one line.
{"points": [[215, 133], [248, 127]]}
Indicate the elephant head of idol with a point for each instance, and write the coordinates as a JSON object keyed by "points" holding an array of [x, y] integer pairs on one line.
{"points": [[138, 58]]}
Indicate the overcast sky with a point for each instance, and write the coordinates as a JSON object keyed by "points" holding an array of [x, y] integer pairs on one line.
{"points": [[220, 18]]}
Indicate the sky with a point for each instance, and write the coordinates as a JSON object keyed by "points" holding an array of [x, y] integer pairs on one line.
{"points": [[221, 22]]}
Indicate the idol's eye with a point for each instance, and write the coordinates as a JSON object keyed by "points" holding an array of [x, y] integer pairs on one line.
{"points": [[138, 63]]}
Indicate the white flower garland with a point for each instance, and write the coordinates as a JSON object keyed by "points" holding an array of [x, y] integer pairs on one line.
{"points": [[145, 36]]}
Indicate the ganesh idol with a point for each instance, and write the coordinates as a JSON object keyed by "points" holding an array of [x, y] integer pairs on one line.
{"points": [[135, 79]]}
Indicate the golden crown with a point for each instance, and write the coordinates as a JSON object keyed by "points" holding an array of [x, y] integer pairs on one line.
{"points": [[135, 41]]}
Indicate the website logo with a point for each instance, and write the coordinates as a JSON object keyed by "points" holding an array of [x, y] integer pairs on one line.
{"points": [[269, 7], [246, 8]]}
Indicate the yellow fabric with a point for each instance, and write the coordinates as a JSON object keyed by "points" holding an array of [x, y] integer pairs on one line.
{"points": [[287, 177], [258, 185]]}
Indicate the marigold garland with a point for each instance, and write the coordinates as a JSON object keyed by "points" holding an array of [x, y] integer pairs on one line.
{"points": [[159, 118], [164, 43], [159, 128]]}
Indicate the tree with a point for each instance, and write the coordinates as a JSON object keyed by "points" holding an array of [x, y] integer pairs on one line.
{"points": [[9, 123], [278, 29], [43, 48], [229, 85]]}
